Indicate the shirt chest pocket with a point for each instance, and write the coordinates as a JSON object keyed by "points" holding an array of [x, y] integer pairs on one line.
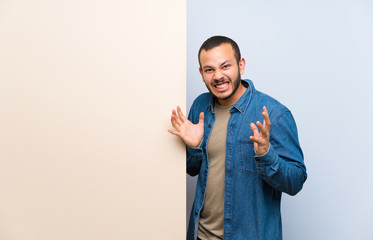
{"points": [[246, 156]]}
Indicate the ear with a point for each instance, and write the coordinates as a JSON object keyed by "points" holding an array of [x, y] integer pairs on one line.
{"points": [[241, 65], [201, 72]]}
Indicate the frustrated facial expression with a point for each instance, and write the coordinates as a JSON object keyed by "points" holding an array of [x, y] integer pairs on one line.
{"points": [[222, 74]]}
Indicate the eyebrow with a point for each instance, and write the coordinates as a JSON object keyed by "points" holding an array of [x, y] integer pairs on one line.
{"points": [[224, 63]]}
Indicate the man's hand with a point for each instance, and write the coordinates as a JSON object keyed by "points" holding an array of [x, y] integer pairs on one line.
{"points": [[190, 133], [261, 139]]}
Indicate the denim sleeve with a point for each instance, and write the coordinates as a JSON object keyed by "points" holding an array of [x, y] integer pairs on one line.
{"points": [[194, 155], [194, 160], [282, 166]]}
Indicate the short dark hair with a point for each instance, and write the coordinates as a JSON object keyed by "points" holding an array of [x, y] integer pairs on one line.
{"points": [[217, 41]]}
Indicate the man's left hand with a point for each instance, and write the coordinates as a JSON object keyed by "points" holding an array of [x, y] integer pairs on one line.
{"points": [[261, 139]]}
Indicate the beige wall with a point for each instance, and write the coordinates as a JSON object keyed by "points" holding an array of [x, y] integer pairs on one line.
{"points": [[86, 91]]}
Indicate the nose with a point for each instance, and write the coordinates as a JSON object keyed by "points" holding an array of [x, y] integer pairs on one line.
{"points": [[218, 75]]}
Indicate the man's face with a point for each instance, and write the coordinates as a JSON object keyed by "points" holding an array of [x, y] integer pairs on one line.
{"points": [[222, 74]]}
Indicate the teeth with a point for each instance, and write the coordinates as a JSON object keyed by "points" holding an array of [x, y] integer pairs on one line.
{"points": [[221, 85]]}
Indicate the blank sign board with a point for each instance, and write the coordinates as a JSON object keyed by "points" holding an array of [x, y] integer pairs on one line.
{"points": [[86, 92]]}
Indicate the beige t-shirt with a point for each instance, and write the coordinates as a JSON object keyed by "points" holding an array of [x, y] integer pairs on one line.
{"points": [[212, 214]]}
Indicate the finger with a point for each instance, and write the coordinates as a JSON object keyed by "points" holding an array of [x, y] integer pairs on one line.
{"points": [[254, 139], [265, 114], [258, 140], [181, 115], [177, 127], [260, 126], [174, 132], [254, 128], [175, 123], [176, 118], [264, 130]]}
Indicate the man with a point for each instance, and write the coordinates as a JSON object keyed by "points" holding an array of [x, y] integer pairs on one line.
{"points": [[242, 167]]}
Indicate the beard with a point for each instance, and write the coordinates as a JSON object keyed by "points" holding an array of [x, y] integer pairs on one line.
{"points": [[235, 83]]}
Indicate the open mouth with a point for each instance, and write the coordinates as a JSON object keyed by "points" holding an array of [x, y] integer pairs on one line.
{"points": [[221, 86]]}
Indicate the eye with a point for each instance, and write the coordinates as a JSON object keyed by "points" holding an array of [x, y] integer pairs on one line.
{"points": [[226, 66], [208, 70]]}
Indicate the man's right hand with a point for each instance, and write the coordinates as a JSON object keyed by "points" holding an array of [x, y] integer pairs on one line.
{"points": [[190, 133]]}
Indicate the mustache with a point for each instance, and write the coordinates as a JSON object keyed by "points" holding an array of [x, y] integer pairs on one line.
{"points": [[219, 81]]}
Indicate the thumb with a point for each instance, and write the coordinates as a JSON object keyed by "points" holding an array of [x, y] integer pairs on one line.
{"points": [[201, 118]]}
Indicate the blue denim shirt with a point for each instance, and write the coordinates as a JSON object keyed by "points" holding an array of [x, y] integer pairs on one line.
{"points": [[253, 184]]}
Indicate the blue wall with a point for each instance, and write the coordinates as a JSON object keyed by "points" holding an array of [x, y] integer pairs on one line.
{"points": [[316, 57]]}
